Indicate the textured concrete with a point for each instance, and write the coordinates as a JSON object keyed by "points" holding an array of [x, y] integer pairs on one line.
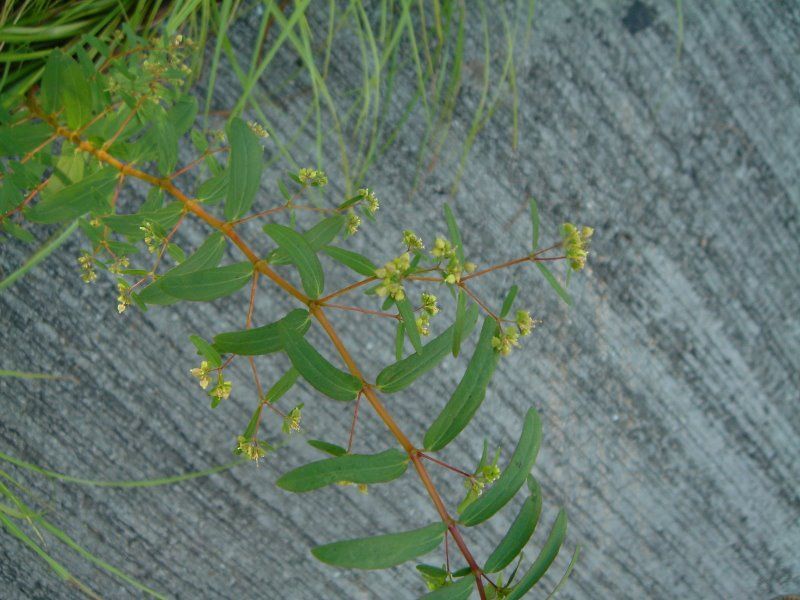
{"points": [[669, 393]]}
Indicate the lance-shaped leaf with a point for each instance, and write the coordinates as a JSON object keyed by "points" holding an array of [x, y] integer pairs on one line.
{"points": [[461, 589], [129, 225], [513, 476], [317, 237], [19, 139], [301, 254], [315, 369], [455, 235], [205, 285], [404, 372], [352, 260], [91, 193], [546, 557], [551, 279], [261, 340], [469, 394], [283, 385], [508, 302], [458, 326], [207, 256], [407, 312], [381, 551], [327, 447], [244, 165], [520, 531], [356, 468], [64, 86]]}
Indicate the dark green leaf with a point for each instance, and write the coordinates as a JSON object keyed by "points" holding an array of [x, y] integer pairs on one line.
{"points": [[382, 551], [404, 372], [519, 533], [207, 284], [353, 260], [165, 217], [460, 589], [546, 557], [206, 350], [183, 113], [509, 301], [455, 236], [315, 369], [301, 254], [10, 196], [92, 193], [327, 447], [469, 394], [20, 139], [407, 313], [513, 476], [535, 224], [284, 384], [458, 326], [64, 86], [320, 234], [399, 340], [15, 230], [554, 283], [356, 468], [213, 189], [244, 165], [261, 340], [567, 573]]}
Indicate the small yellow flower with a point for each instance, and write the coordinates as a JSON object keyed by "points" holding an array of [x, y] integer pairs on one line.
{"points": [[258, 129], [576, 244], [525, 323], [313, 177], [429, 304], [423, 324], [353, 223], [250, 448], [506, 341], [412, 240], [291, 422], [222, 390], [202, 373], [442, 248], [371, 199]]}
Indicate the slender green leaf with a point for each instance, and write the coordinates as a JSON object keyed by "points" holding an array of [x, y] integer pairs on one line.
{"points": [[513, 476], [353, 260], [43, 252], [534, 224], [261, 340], [458, 326], [562, 582], [382, 551], [455, 235], [315, 369], [245, 166], [64, 86], [208, 284], [301, 254], [317, 237], [554, 283], [92, 193], [17, 140], [214, 189], [399, 340], [546, 557], [356, 468], [206, 350], [461, 589], [407, 313], [508, 302], [403, 373], [327, 447], [469, 394], [519, 533], [283, 385]]}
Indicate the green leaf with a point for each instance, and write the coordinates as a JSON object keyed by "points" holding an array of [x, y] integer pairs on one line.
{"points": [[165, 139], [513, 476], [213, 189], [469, 394], [460, 589], [245, 166], [301, 254], [319, 235], [546, 557], [64, 86], [91, 194], [352, 260], [206, 350], [554, 283], [10, 196], [22, 138], [208, 284], [455, 235], [283, 385], [315, 369], [403, 373], [407, 313], [261, 340], [562, 582], [458, 326], [17, 231], [356, 468], [206, 256], [382, 551], [519, 533], [508, 302], [128, 225], [399, 339], [327, 447], [534, 224]]}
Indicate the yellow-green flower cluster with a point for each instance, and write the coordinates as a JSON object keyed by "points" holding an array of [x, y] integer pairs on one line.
{"points": [[424, 324], [412, 241], [576, 244], [121, 262], [152, 238], [312, 177], [371, 200], [124, 297], [202, 373], [250, 448], [486, 475], [222, 390], [88, 273], [429, 304], [444, 250], [392, 275], [525, 323], [353, 223], [506, 341], [362, 487], [258, 129], [291, 422]]}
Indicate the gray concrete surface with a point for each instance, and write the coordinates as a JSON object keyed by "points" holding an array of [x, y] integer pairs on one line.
{"points": [[669, 393]]}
